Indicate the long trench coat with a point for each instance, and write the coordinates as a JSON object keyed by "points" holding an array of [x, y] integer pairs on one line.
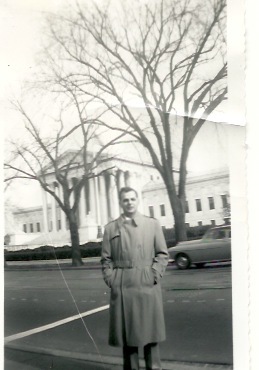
{"points": [[136, 305]]}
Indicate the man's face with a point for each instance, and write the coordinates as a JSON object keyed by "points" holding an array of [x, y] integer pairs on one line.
{"points": [[129, 203]]}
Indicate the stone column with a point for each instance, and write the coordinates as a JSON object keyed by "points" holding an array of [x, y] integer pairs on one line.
{"points": [[103, 200], [54, 210], [97, 202], [92, 199], [128, 178], [49, 209], [113, 197], [121, 179], [82, 207], [45, 211]]}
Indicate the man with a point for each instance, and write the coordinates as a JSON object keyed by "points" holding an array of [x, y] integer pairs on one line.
{"points": [[134, 258]]}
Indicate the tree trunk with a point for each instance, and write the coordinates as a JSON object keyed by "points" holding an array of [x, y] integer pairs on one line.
{"points": [[74, 234], [179, 215]]}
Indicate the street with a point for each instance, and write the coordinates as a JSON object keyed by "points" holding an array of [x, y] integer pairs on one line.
{"points": [[197, 305]]}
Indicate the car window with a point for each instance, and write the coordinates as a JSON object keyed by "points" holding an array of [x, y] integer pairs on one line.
{"points": [[217, 234], [220, 234], [209, 234]]}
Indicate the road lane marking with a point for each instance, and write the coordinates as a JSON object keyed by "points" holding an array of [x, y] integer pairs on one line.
{"points": [[170, 301], [54, 324], [220, 299], [186, 301]]}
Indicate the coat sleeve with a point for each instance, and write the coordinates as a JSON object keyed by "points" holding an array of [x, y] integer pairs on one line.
{"points": [[160, 260], [106, 260]]}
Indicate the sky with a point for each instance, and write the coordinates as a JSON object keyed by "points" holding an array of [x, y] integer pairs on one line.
{"points": [[20, 38]]}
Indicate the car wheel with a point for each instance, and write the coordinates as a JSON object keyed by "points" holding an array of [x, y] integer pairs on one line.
{"points": [[199, 265], [182, 261]]}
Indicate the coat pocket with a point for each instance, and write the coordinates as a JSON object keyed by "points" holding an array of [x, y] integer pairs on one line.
{"points": [[148, 278], [115, 242], [114, 236], [112, 278]]}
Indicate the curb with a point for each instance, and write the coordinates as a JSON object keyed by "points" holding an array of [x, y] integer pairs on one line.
{"points": [[116, 361], [89, 263], [50, 268]]}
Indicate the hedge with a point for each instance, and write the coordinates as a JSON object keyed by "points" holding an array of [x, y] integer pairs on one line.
{"points": [[46, 252], [91, 249]]}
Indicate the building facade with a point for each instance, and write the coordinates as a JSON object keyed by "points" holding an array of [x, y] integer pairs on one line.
{"points": [[206, 198], [98, 204]]}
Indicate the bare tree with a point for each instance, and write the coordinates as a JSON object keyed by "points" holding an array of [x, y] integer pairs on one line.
{"points": [[165, 54], [226, 212], [45, 154]]}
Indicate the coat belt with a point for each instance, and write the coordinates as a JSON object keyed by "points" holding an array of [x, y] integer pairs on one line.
{"points": [[131, 264]]}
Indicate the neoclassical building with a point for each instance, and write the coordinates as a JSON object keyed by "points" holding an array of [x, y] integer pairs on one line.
{"points": [[206, 195], [98, 204]]}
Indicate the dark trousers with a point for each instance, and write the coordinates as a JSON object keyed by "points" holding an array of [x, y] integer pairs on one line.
{"points": [[151, 356]]}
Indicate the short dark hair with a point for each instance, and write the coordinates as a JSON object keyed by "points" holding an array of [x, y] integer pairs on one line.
{"points": [[127, 189]]}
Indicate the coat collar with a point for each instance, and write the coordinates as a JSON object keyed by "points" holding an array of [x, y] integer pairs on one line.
{"points": [[136, 219]]}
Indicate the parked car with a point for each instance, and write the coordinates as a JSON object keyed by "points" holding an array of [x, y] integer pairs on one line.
{"points": [[215, 245]]}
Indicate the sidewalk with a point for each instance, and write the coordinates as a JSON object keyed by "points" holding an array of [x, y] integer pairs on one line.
{"points": [[47, 353], [25, 360]]}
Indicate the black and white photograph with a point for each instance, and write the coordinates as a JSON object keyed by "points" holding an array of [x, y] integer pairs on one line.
{"points": [[124, 182]]}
